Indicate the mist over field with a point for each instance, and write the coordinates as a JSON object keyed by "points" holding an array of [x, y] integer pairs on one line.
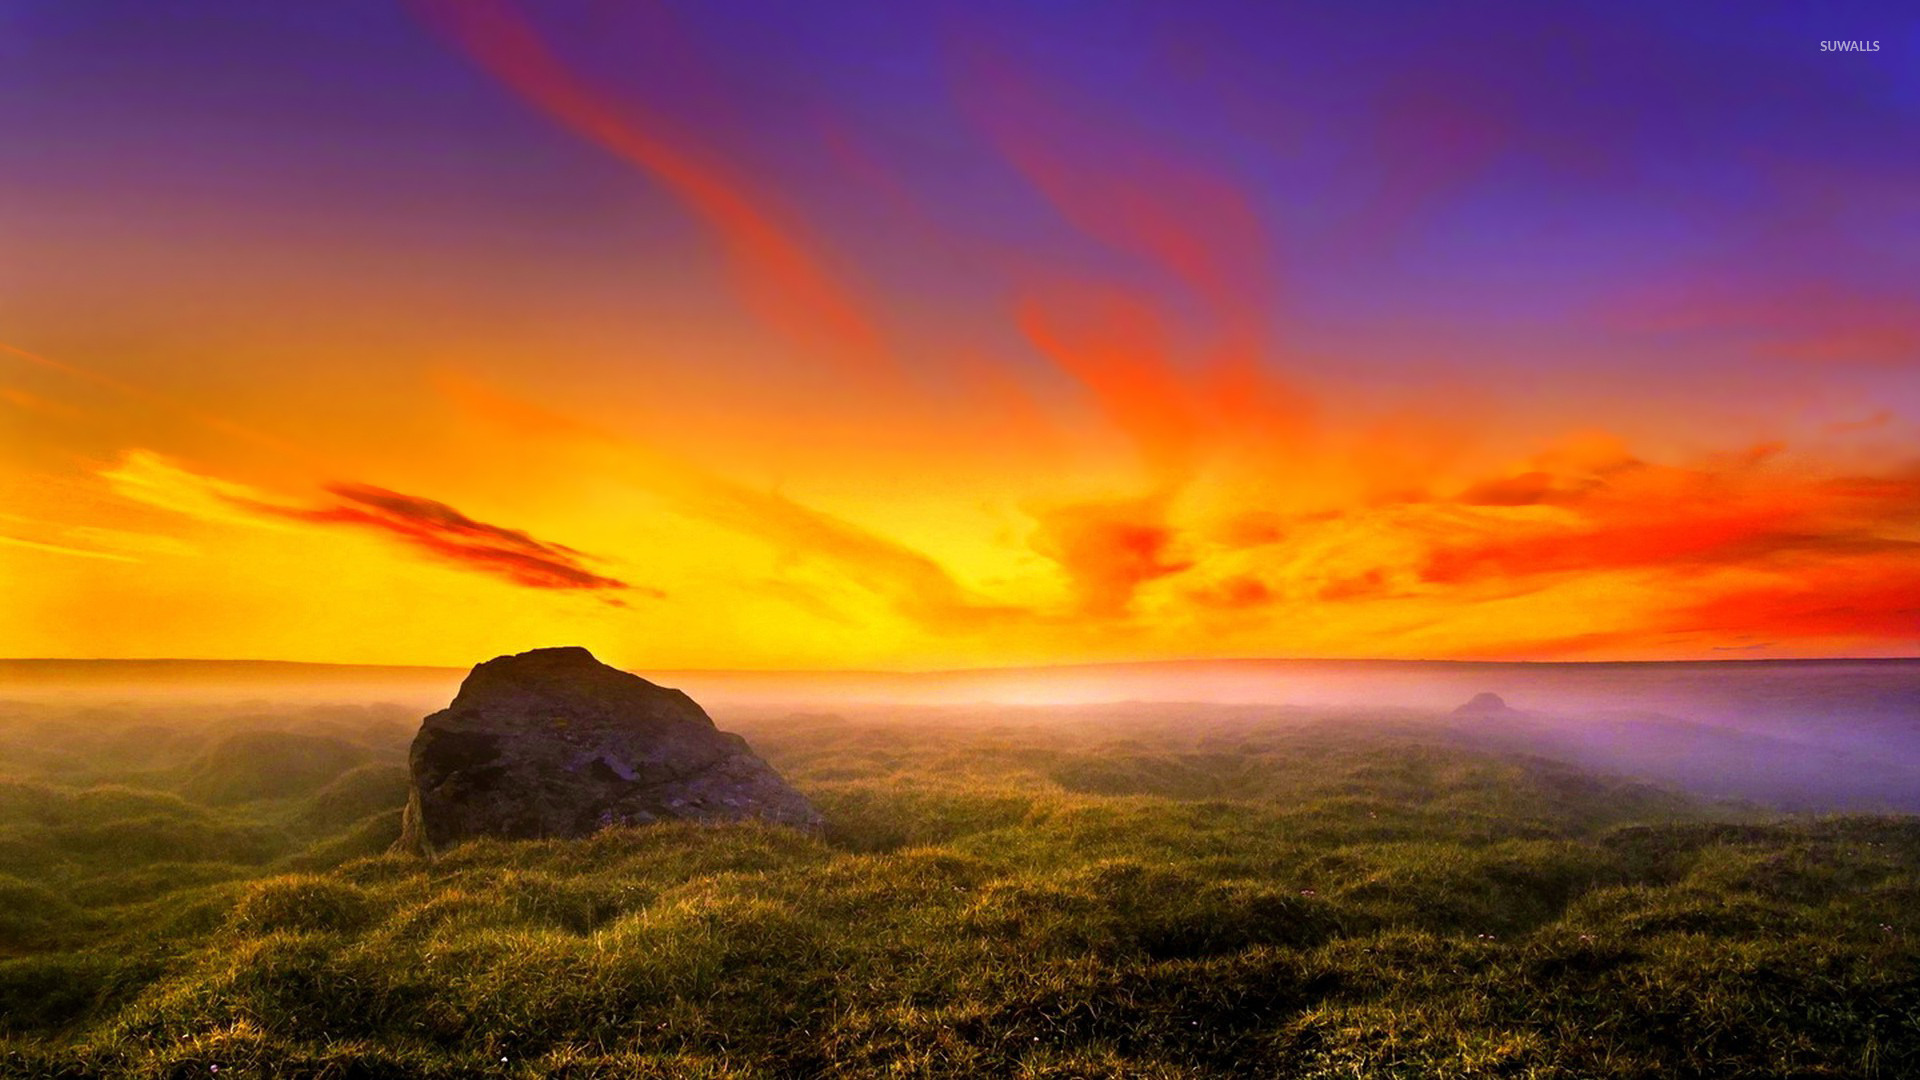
{"points": [[1801, 735], [1325, 870]]}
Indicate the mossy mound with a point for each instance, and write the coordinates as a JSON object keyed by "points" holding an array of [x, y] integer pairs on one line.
{"points": [[251, 765]]}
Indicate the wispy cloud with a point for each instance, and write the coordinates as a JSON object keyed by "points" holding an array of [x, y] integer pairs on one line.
{"points": [[62, 549], [87, 541], [425, 525], [1630, 514], [155, 480], [150, 397], [1870, 600], [782, 277], [915, 585]]}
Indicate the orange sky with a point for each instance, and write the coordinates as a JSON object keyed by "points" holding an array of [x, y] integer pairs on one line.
{"points": [[707, 414]]}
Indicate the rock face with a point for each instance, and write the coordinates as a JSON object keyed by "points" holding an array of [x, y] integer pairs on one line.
{"points": [[553, 743], [1485, 705]]}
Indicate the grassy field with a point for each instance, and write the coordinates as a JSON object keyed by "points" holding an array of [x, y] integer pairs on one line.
{"points": [[1196, 893]]}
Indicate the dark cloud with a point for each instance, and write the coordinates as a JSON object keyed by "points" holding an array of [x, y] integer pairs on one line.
{"points": [[1525, 489], [452, 537]]}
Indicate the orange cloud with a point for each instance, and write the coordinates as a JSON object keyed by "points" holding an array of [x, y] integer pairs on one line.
{"points": [[1115, 346], [1239, 593], [1864, 600], [1173, 371], [1591, 506], [1524, 489], [1712, 535], [1109, 549]]}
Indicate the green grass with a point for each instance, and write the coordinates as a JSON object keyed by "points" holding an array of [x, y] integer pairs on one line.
{"points": [[1025, 896]]}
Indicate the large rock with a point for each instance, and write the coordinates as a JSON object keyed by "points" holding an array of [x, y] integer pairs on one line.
{"points": [[554, 743]]}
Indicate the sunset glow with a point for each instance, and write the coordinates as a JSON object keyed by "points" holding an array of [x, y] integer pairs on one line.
{"points": [[749, 335]]}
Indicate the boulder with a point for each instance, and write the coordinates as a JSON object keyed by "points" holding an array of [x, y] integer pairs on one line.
{"points": [[1485, 705], [553, 743]]}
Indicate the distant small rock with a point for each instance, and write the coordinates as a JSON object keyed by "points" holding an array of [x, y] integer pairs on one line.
{"points": [[1485, 705], [553, 743]]}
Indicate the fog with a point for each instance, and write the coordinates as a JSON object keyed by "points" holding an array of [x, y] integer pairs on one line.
{"points": [[1796, 735]]}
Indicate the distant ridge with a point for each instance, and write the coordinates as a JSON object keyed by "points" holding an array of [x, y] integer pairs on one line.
{"points": [[202, 679], [45, 666], [1879, 696]]}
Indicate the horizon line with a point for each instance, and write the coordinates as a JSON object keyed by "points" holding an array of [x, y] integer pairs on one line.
{"points": [[986, 670]]}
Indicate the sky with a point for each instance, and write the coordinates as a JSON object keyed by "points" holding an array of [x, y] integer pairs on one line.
{"points": [[889, 335]]}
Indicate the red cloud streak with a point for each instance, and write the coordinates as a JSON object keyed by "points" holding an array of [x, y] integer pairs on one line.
{"points": [[448, 534], [784, 279]]}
